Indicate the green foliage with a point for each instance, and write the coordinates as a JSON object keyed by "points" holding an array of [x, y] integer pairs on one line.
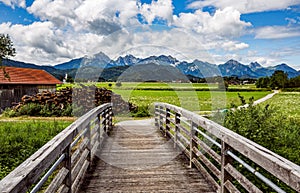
{"points": [[141, 111], [263, 82], [6, 50], [294, 82], [267, 126], [34, 109], [118, 84], [6, 47], [278, 80], [19, 140]]}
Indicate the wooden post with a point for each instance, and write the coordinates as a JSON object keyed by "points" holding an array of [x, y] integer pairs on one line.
{"points": [[177, 123], [161, 118], [99, 129], [156, 116], [192, 144], [103, 115], [67, 165], [89, 145], [224, 160], [109, 118], [167, 121]]}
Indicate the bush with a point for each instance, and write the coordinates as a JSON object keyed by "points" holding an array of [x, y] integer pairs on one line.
{"points": [[33, 109], [266, 126], [118, 84], [141, 111]]}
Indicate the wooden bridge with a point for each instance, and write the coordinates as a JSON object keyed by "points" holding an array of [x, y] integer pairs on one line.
{"points": [[179, 152]]}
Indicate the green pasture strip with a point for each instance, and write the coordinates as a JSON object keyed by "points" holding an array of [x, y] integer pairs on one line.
{"points": [[167, 86], [20, 139], [191, 100]]}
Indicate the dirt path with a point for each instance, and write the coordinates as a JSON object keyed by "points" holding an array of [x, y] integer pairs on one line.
{"points": [[260, 100]]}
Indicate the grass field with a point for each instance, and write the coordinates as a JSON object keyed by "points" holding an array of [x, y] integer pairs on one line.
{"points": [[194, 97], [21, 138], [162, 86], [288, 104], [195, 101]]}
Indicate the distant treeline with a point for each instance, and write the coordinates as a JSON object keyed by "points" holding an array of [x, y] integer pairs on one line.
{"points": [[279, 80]]}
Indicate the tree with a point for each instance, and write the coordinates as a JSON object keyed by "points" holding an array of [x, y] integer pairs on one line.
{"points": [[6, 47], [263, 82], [279, 79], [6, 50]]}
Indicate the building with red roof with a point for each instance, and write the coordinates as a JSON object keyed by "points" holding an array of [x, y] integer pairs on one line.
{"points": [[23, 81]]}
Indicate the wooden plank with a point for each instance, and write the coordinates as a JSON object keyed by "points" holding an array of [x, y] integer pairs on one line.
{"points": [[94, 149], [57, 181], [94, 130], [183, 140], [247, 184], [230, 187], [95, 138], [208, 164], [79, 164], [81, 174], [278, 166], [63, 189], [206, 174], [187, 132], [207, 149], [76, 154]]}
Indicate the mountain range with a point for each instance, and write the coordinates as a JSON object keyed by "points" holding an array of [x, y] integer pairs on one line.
{"points": [[100, 65]]}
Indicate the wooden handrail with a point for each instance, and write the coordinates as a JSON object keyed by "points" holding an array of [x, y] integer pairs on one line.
{"points": [[204, 133], [88, 132]]}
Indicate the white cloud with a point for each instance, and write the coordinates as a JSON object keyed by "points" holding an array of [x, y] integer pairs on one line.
{"points": [[162, 9], [225, 23], [13, 3], [246, 6], [276, 32], [69, 30], [233, 46]]}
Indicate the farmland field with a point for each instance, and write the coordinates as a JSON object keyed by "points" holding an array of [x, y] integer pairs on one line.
{"points": [[21, 138], [188, 99], [195, 97]]}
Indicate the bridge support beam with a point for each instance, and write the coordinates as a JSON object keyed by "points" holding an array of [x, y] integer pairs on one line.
{"points": [[177, 128], [167, 121], [225, 159], [193, 144], [67, 164]]}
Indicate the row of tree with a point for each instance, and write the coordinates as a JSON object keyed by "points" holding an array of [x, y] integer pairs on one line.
{"points": [[278, 80]]}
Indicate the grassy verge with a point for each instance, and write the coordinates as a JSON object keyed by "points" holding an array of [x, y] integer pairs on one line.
{"points": [[21, 138]]}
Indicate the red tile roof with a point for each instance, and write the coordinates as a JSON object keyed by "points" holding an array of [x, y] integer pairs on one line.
{"points": [[27, 76]]}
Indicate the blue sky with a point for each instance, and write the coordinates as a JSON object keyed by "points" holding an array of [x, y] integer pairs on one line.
{"points": [[51, 32]]}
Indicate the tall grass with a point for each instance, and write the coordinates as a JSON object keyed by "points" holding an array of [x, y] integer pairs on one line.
{"points": [[20, 139]]}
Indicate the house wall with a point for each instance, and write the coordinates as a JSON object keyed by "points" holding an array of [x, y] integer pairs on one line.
{"points": [[10, 95]]}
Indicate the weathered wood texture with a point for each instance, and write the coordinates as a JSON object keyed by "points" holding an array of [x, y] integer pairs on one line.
{"points": [[198, 138], [137, 158], [74, 143]]}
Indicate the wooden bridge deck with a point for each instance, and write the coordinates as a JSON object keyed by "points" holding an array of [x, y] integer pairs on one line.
{"points": [[137, 158]]}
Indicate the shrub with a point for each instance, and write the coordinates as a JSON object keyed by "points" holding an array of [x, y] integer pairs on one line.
{"points": [[141, 111]]}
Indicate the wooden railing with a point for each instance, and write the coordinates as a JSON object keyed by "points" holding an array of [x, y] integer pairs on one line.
{"points": [[64, 159], [220, 154]]}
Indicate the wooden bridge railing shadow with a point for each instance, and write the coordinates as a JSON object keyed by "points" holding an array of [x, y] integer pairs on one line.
{"points": [[67, 156], [216, 151]]}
